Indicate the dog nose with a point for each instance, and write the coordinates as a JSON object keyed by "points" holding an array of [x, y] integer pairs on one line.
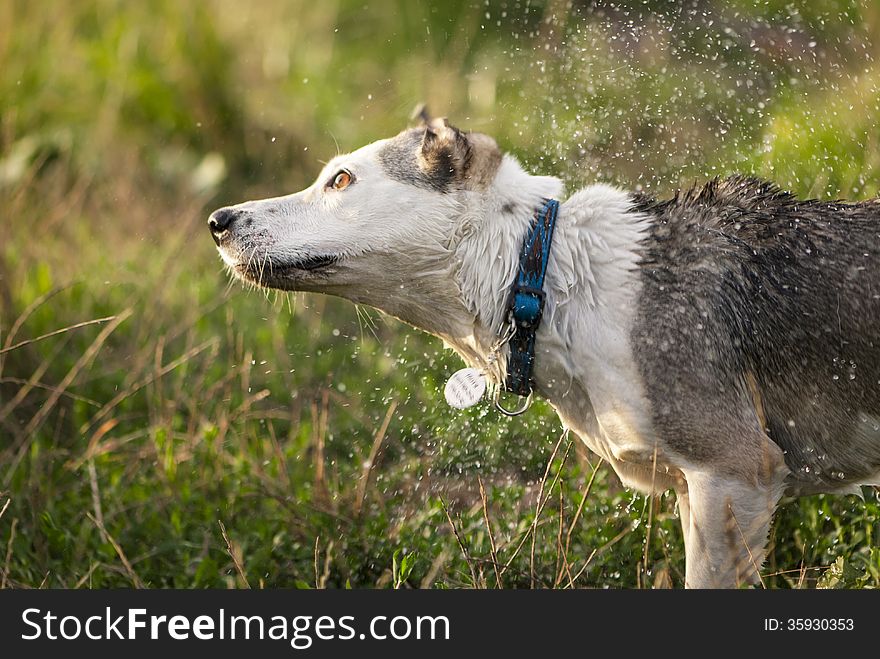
{"points": [[220, 221]]}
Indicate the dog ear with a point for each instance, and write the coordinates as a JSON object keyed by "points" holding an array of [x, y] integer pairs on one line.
{"points": [[445, 152], [421, 113], [448, 156]]}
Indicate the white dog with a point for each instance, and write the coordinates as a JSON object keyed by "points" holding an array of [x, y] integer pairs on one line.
{"points": [[724, 343]]}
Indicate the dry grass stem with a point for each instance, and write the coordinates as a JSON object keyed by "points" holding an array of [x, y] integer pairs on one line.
{"points": [[236, 559]]}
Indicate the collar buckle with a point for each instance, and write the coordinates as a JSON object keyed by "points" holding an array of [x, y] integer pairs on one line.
{"points": [[527, 306]]}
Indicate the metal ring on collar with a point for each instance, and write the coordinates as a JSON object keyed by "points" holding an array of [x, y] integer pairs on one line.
{"points": [[525, 403]]}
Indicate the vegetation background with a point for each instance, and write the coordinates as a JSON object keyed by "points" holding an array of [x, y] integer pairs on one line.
{"points": [[202, 435]]}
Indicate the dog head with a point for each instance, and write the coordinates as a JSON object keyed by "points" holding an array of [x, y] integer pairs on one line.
{"points": [[370, 224]]}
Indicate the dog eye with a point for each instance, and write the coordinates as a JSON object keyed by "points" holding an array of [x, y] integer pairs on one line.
{"points": [[341, 181]]}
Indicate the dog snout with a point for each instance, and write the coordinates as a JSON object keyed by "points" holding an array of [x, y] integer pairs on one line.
{"points": [[220, 222]]}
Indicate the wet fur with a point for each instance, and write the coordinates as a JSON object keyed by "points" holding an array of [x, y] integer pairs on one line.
{"points": [[755, 301]]}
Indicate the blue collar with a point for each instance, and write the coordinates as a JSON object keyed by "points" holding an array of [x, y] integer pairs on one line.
{"points": [[526, 304]]}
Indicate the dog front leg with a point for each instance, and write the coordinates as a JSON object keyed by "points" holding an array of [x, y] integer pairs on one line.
{"points": [[684, 511], [727, 525]]}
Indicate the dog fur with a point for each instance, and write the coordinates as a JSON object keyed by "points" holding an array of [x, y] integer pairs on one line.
{"points": [[724, 343]]}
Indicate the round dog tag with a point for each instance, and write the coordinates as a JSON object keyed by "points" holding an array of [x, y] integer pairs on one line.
{"points": [[465, 388]]}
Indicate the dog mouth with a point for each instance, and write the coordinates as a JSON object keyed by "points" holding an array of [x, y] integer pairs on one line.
{"points": [[309, 264], [273, 274]]}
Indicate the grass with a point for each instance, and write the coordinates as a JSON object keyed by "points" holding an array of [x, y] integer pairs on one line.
{"points": [[160, 427]]}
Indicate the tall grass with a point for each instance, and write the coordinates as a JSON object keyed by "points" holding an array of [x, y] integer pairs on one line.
{"points": [[200, 435]]}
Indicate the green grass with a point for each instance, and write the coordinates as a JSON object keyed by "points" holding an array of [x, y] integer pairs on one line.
{"points": [[315, 433]]}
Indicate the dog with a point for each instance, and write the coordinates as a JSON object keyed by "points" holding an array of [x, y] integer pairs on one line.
{"points": [[723, 343]]}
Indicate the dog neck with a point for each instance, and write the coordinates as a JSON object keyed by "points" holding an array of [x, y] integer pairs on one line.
{"points": [[590, 285], [466, 283], [486, 253]]}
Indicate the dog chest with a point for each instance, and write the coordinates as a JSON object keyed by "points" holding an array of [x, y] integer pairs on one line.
{"points": [[604, 405]]}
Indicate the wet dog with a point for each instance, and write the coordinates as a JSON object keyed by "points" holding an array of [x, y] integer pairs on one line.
{"points": [[724, 343]]}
